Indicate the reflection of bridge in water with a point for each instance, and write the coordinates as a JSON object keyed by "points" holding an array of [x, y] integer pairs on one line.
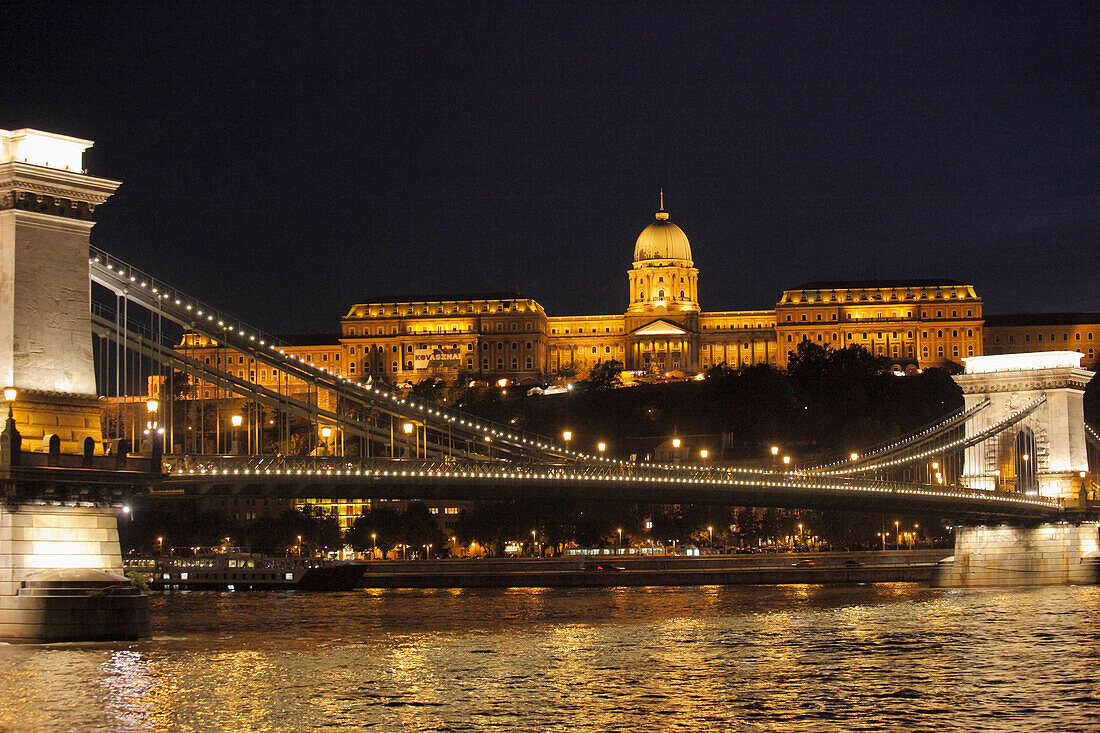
{"points": [[1017, 450]]}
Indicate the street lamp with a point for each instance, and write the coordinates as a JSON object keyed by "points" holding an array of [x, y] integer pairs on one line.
{"points": [[897, 535], [854, 456], [786, 460], [620, 540], [801, 535], [299, 545], [326, 432], [236, 421], [532, 542], [567, 435], [601, 447], [704, 453], [710, 532], [374, 544]]}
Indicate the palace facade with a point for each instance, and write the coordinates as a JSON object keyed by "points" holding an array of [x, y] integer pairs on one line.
{"points": [[491, 336]]}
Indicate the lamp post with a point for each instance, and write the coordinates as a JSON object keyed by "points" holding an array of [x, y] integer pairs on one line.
{"points": [[326, 432], [408, 428], [775, 455], [236, 420], [710, 534], [786, 461], [374, 544], [299, 545], [801, 535], [620, 540], [601, 447], [676, 448], [533, 543], [897, 534], [11, 443], [704, 453]]}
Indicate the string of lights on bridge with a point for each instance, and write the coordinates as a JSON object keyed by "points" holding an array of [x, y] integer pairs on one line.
{"points": [[517, 474], [488, 431], [991, 430], [915, 437], [126, 272]]}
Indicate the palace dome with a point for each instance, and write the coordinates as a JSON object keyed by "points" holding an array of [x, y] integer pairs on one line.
{"points": [[662, 240]]}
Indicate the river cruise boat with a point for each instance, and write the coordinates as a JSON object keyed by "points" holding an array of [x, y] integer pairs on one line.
{"points": [[240, 572]]}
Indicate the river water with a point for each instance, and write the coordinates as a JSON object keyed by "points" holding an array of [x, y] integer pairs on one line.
{"points": [[786, 658]]}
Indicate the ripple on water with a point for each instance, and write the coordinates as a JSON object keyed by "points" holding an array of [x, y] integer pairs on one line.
{"points": [[749, 658]]}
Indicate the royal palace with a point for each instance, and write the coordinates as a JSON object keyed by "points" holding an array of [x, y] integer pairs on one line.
{"points": [[493, 336]]}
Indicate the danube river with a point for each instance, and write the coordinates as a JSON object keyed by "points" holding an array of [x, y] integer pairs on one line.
{"points": [[785, 658]]}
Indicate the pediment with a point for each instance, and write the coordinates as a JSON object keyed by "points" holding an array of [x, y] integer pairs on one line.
{"points": [[660, 327]]}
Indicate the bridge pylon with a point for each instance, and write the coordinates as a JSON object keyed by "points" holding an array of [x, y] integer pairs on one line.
{"points": [[60, 562], [47, 204], [1045, 453]]}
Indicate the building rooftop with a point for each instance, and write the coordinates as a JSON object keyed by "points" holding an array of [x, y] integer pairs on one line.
{"points": [[872, 284], [1042, 319], [442, 297]]}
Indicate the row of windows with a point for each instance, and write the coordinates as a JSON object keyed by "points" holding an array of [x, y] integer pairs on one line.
{"points": [[394, 330], [1039, 337], [439, 310], [896, 314], [607, 329], [865, 335], [933, 295], [580, 349]]}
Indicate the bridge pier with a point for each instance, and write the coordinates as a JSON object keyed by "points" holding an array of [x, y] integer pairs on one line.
{"points": [[61, 576], [1004, 555]]}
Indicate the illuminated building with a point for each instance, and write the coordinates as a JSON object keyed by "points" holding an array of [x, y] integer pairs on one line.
{"points": [[915, 323]]}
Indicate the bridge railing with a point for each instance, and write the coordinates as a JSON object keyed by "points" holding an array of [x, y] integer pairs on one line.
{"points": [[249, 468]]}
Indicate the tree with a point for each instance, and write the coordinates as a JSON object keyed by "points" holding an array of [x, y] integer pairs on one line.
{"points": [[605, 374]]}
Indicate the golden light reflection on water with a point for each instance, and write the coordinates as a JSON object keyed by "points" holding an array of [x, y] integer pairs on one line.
{"points": [[800, 658]]}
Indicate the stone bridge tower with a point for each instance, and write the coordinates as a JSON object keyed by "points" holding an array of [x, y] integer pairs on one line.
{"points": [[47, 204], [1046, 452]]}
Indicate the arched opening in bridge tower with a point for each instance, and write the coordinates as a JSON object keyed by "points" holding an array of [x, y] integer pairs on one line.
{"points": [[1024, 461]]}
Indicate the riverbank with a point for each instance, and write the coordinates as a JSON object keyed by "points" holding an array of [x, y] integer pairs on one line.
{"points": [[671, 570]]}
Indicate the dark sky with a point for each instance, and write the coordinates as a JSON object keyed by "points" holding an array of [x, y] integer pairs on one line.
{"points": [[285, 161]]}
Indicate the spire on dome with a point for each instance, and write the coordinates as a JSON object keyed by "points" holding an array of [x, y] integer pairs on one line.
{"points": [[662, 215]]}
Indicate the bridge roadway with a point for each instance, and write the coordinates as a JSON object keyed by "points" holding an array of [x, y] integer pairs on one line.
{"points": [[348, 478]]}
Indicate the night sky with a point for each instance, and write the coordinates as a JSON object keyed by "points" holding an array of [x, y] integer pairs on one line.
{"points": [[286, 161]]}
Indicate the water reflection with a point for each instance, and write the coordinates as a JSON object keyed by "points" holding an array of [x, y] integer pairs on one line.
{"points": [[795, 658]]}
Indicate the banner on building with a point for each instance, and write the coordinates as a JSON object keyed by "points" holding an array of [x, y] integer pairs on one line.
{"points": [[440, 357]]}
